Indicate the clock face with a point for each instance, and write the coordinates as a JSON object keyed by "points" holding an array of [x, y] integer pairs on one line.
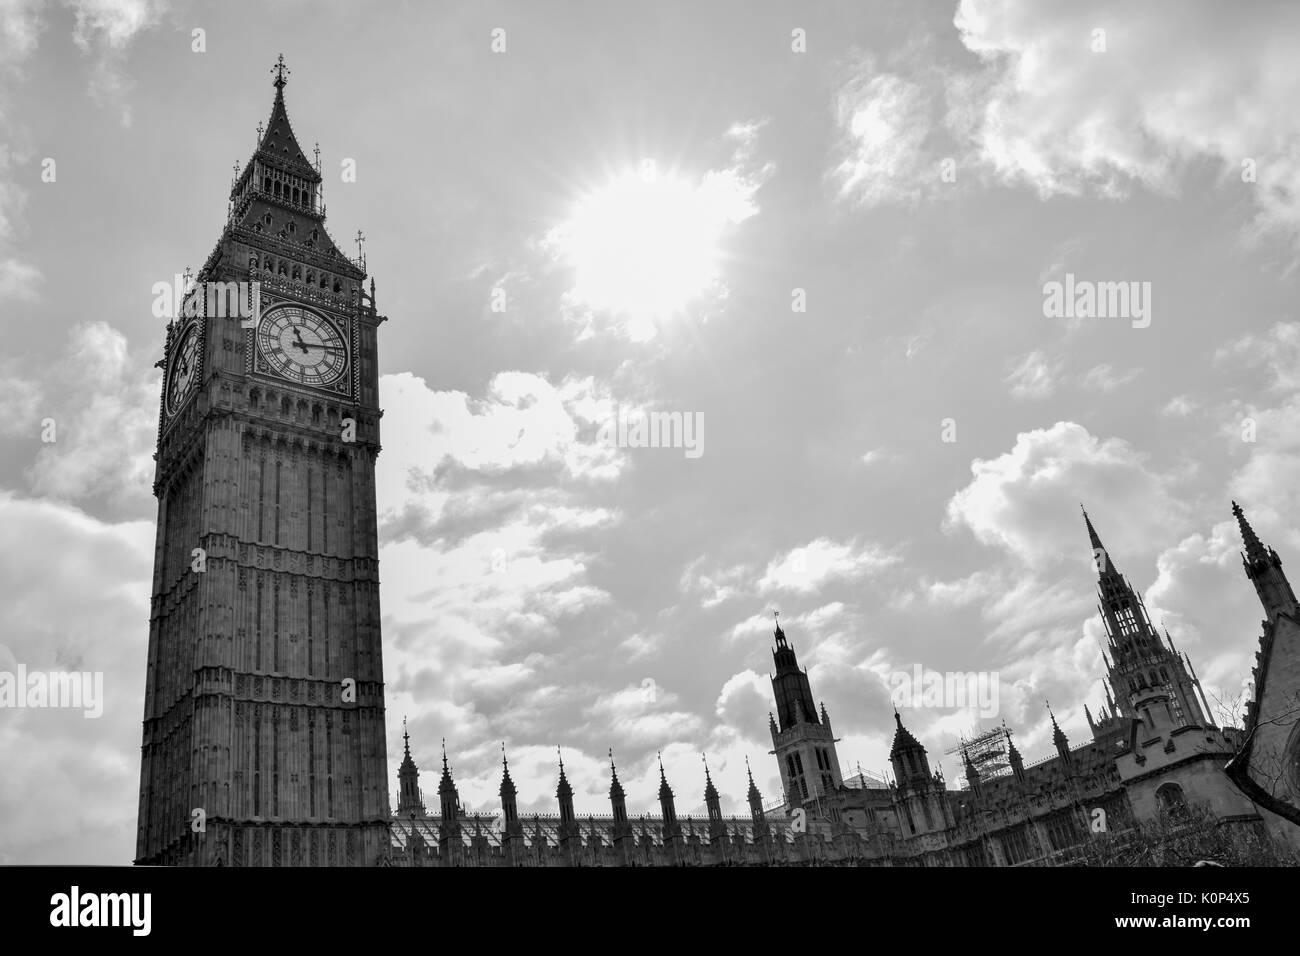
{"points": [[184, 368], [302, 346]]}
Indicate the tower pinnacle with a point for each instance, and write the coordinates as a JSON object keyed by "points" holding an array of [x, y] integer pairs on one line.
{"points": [[1264, 568], [280, 70], [1099, 555], [410, 801], [1254, 547]]}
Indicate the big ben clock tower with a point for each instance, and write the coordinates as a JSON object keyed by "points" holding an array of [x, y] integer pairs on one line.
{"points": [[264, 740]]}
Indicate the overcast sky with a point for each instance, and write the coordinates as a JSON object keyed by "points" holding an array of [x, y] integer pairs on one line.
{"points": [[624, 207]]}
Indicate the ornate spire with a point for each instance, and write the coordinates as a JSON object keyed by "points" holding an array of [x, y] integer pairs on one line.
{"points": [[507, 785], [710, 791], [1255, 550], [615, 788], [448, 796], [445, 785], [712, 803], [1058, 736], [563, 786], [409, 800], [1264, 568], [564, 793], [903, 739], [1056, 730], [664, 789], [754, 797], [667, 809], [1100, 556], [280, 70], [277, 145], [1013, 755]]}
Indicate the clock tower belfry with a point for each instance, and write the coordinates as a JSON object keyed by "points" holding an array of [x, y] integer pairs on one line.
{"points": [[264, 741]]}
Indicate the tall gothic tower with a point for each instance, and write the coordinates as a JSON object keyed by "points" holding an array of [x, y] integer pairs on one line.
{"points": [[264, 738], [803, 742], [1139, 661]]}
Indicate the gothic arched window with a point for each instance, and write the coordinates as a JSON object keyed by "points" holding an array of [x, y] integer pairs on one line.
{"points": [[1171, 799]]}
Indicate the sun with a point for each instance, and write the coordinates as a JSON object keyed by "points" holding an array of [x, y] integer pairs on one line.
{"points": [[646, 244]]}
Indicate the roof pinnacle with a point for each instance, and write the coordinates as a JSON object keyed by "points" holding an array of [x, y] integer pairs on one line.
{"points": [[280, 70]]}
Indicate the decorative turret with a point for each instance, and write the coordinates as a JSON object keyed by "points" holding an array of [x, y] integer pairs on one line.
{"points": [[448, 796], [564, 794], [509, 804], [755, 799], [1013, 757], [410, 801], [1059, 740], [1264, 568], [666, 807], [617, 799], [711, 801], [920, 795], [911, 766]]}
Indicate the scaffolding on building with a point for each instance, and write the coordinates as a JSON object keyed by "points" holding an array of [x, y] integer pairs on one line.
{"points": [[987, 752]]}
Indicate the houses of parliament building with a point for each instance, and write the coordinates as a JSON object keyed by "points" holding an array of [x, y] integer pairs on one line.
{"points": [[264, 738]]}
